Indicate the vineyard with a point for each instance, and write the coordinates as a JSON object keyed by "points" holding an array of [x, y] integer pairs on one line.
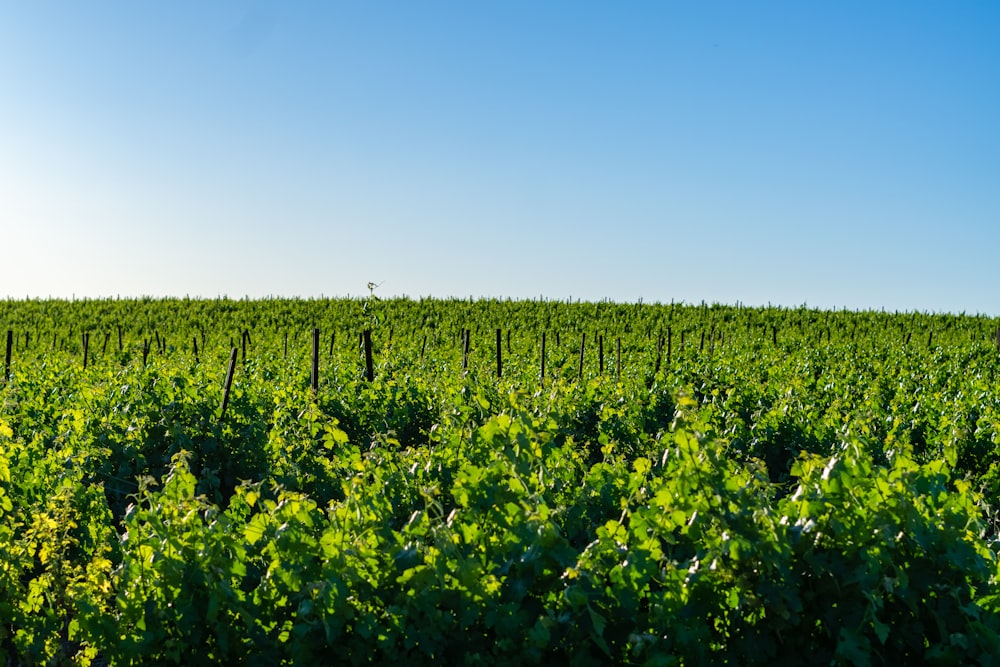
{"points": [[365, 481]]}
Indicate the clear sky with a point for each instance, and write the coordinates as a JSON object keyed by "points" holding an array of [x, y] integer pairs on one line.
{"points": [[825, 153]]}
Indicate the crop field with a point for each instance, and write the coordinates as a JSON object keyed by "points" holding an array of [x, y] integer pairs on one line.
{"points": [[456, 482]]}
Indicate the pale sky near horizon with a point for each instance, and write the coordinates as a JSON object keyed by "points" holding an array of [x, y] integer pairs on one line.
{"points": [[827, 153]]}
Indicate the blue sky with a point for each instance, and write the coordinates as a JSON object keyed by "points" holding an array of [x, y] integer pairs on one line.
{"points": [[828, 153]]}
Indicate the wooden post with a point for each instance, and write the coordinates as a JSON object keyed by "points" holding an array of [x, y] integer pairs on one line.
{"points": [[499, 354], [285, 353], [369, 369], [120, 345], [583, 341], [774, 334], [86, 348], [10, 349], [145, 350], [543, 356], [670, 343], [508, 341], [243, 345], [930, 337], [600, 355], [229, 383], [107, 337], [333, 339], [194, 339], [157, 333], [314, 376], [701, 347], [465, 351], [659, 354], [423, 347]]}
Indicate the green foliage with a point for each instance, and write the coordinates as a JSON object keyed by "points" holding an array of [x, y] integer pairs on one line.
{"points": [[829, 497]]}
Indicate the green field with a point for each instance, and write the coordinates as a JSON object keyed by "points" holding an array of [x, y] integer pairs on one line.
{"points": [[723, 485]]}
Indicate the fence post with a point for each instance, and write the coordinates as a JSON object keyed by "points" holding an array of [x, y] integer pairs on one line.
{"points": [[465, 351], [369, 370], [543, 357], [10, 348], [600, 354], [314, 375], [229, 383], [499, 355]]}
